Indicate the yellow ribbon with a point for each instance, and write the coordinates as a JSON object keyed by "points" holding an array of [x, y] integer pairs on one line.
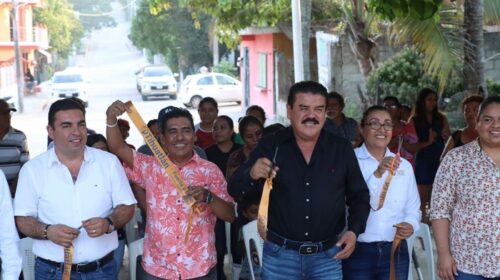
{"points": [[68, 261], [264, 207], [164, 161]]}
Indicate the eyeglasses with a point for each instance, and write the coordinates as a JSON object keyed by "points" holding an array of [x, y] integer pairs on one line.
{"points": [[377, 125]]}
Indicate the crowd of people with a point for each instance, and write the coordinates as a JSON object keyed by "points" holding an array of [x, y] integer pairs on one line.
{"points": [[343, 192]]}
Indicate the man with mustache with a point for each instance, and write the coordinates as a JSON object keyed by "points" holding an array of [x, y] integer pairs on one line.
{"points": [[317, 174]]}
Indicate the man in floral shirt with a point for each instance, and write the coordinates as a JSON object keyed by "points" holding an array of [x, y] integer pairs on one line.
{"points": [[166, 255], [465, 205]]}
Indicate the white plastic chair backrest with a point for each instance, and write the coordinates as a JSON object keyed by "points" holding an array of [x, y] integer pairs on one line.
{"points": [[135, 249], [132, 228], [26, 251], [423, 232], [250, 233]]}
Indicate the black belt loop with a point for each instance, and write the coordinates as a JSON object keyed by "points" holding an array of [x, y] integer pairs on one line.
{"points": [[87, 267], [303, 247]]}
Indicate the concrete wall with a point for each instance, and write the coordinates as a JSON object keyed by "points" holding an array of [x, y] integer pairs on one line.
{"points": [[492, 48]]}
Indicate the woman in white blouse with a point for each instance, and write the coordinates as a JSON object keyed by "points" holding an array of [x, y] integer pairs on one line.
{"points": [[397, 216]]}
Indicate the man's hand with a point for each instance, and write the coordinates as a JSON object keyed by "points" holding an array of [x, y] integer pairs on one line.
{"points": [[114, 110], [95, 227], [62, 234], [347, 242], [199, 193], [262, 168], [404, 230], [447, 269]]}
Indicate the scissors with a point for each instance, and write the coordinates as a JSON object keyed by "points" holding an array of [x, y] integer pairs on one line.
{"points": [[273, 163]]}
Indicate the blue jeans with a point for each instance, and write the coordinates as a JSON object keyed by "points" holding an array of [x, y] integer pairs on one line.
{"points": [[118, 255], [44, 271], [280, 263], [466, 276], [372, 261]]}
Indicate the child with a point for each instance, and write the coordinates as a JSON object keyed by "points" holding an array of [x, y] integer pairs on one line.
{"points": [[249, 208], [208, 111]]}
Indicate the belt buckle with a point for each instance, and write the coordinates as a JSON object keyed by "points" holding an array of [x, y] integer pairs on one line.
{"points": [[308, 249]]}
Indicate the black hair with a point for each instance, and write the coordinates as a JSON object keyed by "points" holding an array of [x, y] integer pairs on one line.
{"points": [[270, 129], [494, 99], [374, 108], [152, 122], [338, 96], [250, 198], [247, 121], [227, 119], [420, 111], [393, 99], [306, 87], [94, 138], [208, 100], [257, 108], [65, 104], [471, 99], [171, 112]]}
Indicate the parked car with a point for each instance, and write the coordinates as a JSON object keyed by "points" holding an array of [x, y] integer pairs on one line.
{"points": [[69, 83], [156, 80], [222, 87]]}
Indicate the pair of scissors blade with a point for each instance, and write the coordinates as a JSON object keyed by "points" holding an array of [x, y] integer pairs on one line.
{"points": [[273, 162]]}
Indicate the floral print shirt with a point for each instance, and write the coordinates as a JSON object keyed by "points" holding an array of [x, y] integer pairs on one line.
{"points": [[166, 255], [466, 191]]}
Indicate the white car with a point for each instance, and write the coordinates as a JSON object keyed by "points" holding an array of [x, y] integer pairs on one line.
{"points": [[68, 83], [222, 87], [156, 80]]}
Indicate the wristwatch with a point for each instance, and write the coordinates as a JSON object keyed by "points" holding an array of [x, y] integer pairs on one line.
{"points": [[111, 227], [209, 198]]}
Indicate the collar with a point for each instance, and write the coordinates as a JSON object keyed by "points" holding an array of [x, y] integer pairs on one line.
{"points": [[196, 159], [88, 156], [363, 153]]}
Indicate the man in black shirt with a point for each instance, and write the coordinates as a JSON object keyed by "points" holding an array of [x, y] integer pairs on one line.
{"points": [[317, 174]]}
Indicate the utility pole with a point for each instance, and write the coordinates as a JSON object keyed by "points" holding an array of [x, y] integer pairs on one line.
{"points": [[298, 58], [19, 70]]}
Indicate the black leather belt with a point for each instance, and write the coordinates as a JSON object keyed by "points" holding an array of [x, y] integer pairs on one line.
{"points": [[303, 247], [87, 267]]}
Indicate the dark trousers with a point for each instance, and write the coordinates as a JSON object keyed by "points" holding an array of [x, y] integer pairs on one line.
{"points": [[371, 261]]}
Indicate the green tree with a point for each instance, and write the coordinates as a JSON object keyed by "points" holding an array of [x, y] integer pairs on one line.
{"points": [[65, 31], [172, 33], [93, 14]]}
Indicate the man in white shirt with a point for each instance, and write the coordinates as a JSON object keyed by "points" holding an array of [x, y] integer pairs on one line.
{"points": [[73, 195], [9, 253]]}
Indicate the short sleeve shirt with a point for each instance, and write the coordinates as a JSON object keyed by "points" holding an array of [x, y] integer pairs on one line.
{"points": [[166, 255]]}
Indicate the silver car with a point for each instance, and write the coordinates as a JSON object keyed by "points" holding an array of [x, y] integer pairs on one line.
{"points": [[156, 80], [222, 87]]}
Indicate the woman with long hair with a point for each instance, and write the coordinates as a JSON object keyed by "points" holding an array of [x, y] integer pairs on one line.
{"points": [[432, 131], [218, 153]]}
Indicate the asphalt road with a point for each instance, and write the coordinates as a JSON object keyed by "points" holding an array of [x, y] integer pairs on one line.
{"points": [[109, 62]]}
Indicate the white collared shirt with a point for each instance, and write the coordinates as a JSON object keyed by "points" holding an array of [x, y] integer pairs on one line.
{"points": [[9, 240], [402, 202], [46, 191]]}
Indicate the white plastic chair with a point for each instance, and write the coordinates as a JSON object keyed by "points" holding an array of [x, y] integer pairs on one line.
{"points": [[26, 251], [250, 233], [424, 233], [135, 249], [132, 228]]}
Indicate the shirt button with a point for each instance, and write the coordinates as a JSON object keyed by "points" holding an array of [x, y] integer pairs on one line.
{"points": [[178, 218], [178, 201], [307, 199], [307, 217], [307, 233], [307, 183]]}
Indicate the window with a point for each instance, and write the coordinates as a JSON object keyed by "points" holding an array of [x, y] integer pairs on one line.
{"points": [[205, 81], [223, 80], [262, 83]]}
